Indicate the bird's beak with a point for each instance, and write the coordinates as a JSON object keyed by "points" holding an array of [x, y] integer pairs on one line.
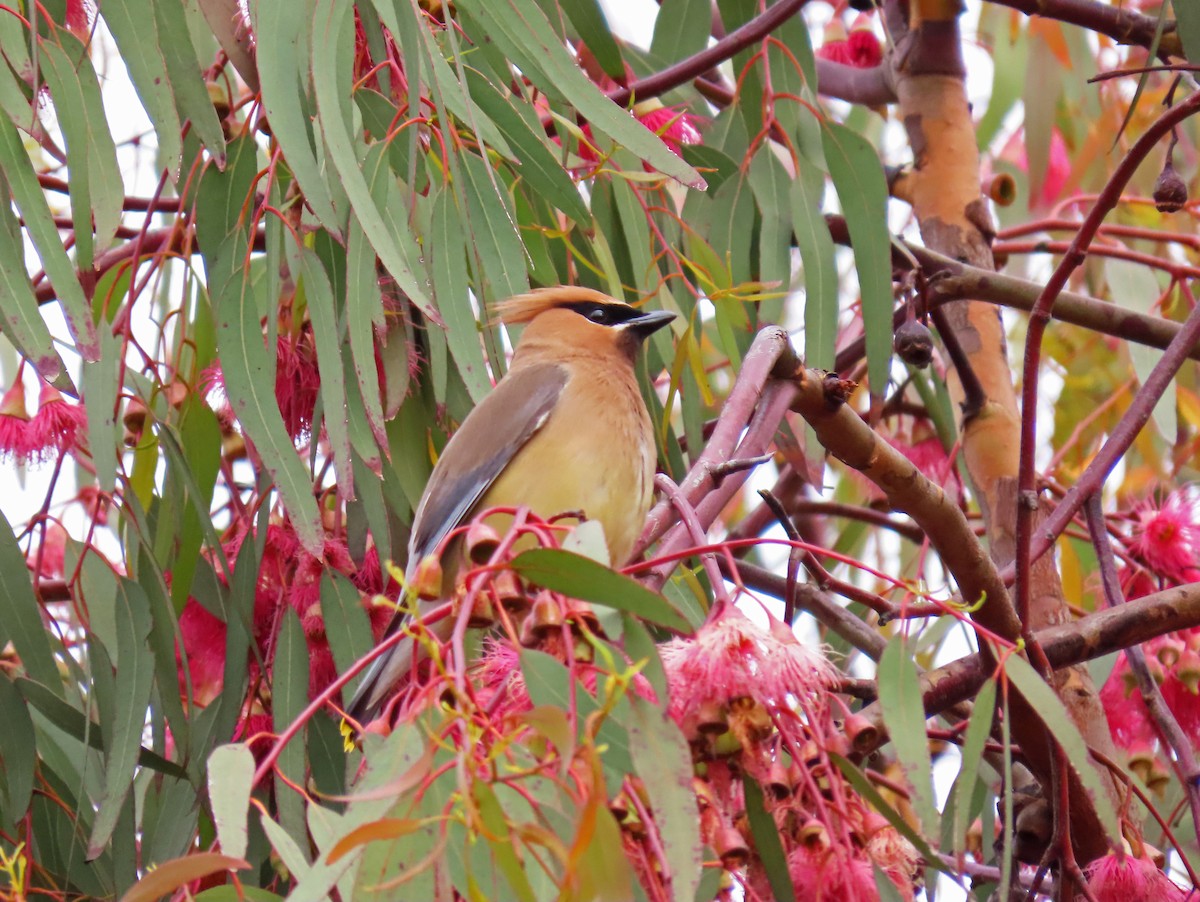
{"points": [[648, 323]]}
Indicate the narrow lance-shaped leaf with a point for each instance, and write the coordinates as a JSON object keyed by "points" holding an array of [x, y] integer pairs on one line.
{"points": [[1050, 710], [281, 29], [586, 580], [134, 677], [142, 51], [862, 189], [493, 229], [453, 299], [904, 714], [589, 20], [333, 23], [191, 95], [1187, 18], [17, 168], [766, 840], [230, 780], [978, 730], [96, 188], [18, 754], [522, 30], [681, 29], [21, 616], [289, 695], [664, 762], [321, 310], [247, 366], [100, 390], [364, 312], [347, 626], [20, 316], [820, 270], [537, 163]]}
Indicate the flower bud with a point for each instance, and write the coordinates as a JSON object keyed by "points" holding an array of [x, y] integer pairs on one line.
{"points": [[712, 718], [778, 783], [509, 592], [546, 616], [1168, 651], [913, 343], [731, 846], [862, 733], [1187, 671], [427, 579], [1001, 189], [481, 542], [134, 421], [813, 836], [482, 615], [1170, 191]]}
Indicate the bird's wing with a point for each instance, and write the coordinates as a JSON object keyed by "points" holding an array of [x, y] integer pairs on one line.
{"points": [[480, 450], [487, 441]]}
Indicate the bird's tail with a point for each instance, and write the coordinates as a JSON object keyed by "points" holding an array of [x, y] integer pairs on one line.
{"points": [[382, 676]]}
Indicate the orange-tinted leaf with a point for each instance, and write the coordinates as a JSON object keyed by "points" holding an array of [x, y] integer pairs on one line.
{"points": [[171, 875], [1051, 32], [385, 828]]}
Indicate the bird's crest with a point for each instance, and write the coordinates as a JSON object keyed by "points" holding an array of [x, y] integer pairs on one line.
{"points": [[524, 307]]}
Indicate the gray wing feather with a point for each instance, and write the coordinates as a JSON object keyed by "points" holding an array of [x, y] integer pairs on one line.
{"points": [[476, 454], [480, 450]]}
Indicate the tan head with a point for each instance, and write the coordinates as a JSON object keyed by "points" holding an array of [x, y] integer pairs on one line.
{"points": [[567, 320]]}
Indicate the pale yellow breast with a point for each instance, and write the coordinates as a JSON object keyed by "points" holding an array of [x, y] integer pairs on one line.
{"points": [[595, 454]]}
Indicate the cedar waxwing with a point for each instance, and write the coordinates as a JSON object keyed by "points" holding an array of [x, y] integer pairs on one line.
{"points": [[565, 430]]}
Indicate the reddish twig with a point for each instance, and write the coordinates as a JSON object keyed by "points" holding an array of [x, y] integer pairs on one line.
{"points": [[1171, 734], [1119, 441], [1027, 503], [685, 70]]}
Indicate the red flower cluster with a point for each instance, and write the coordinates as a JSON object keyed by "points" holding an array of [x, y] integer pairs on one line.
{"points": [[287, 577], [1119, 877], [50, 433], [860, 49], [297, 382], [674, 125], [764, 700], [1165, 541]]}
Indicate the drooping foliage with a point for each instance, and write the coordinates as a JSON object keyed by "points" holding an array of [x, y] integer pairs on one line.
{"points": [[918, 602]]}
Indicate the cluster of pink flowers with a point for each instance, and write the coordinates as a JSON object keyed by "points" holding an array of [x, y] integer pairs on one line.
{"points": [[1120, 877], [860, 48], [48, 434], [674, 125], [756, 700], [500, 684], [1164, 546], [297, 382], [287, 577]]}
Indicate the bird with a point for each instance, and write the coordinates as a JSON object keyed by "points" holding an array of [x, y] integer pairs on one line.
{"points": [[564, 430]]}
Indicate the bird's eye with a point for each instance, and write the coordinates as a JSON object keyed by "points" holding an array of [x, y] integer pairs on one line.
{"points": [[599, 315]]}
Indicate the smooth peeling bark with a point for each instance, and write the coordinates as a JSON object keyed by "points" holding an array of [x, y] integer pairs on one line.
{"points": [[955, 221]]}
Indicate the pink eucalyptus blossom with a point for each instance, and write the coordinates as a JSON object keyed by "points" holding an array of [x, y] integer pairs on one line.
{"points": [[16, 443], [1119, 877], [675, 126], [57, 423], [860, 49], [831, 875], [1167, 537], [730, 657]]}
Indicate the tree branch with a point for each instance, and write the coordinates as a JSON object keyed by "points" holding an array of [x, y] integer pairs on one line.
{"points": [[696, 65], [1066, 645], [1125, 26]]}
